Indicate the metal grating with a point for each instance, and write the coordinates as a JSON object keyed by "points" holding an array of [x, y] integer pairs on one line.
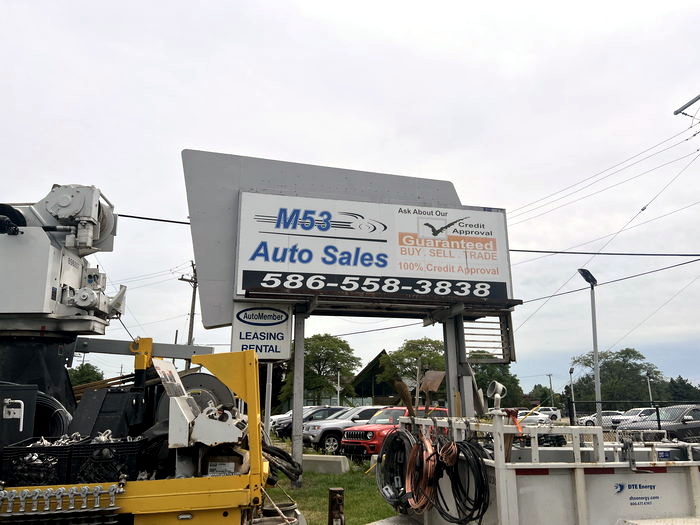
{"points": [[489, 339]]}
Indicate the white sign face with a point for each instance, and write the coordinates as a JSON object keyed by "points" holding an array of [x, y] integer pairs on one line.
{"points": [[263, 328], [299, 245]]}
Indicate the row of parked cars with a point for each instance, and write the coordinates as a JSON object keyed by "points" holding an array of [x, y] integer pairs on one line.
{"points": [[356, 431], [679, 421], [360, 431]]}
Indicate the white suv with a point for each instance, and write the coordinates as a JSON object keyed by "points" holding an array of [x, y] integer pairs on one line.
{"points": [[552, 412]]}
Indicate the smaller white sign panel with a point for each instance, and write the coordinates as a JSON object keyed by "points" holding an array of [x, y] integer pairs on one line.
{"points": [[265, 328]]}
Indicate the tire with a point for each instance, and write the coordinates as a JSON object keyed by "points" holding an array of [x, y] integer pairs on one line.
{"points": [[330, 443], [589, 423], [553, 417]]}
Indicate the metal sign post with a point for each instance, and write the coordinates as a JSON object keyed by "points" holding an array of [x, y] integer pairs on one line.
{"points": [[298, 400]]}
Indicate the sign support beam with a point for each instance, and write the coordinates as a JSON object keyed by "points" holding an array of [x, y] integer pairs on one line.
{"points": [[298, 395]]}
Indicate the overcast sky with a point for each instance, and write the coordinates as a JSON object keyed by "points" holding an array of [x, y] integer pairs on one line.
{"points": [[512, 102]]}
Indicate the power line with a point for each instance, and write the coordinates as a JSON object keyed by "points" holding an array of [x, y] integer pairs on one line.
{"points": [[154, 219], [169, 279], [145, 276], [378, 329], [141, 325], [652, 314], [614, 166], [527, 301], [628, 254], [609, 234], [613, 281], [642, 210], [109, 281], [609, 187]]}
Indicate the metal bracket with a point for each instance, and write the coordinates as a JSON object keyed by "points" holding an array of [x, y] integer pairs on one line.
{"points": [[13, 413]]}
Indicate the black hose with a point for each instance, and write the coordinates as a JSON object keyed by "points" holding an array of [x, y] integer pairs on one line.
{"points": [[470, 489], [281, 461], [391, 468], [51, 419]]}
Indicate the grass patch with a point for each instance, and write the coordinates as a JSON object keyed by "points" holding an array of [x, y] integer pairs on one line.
{"points": [[363, 503]]}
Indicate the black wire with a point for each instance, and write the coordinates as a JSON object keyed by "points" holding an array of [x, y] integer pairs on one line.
{"points": [[614, 166], [281, 461], [628, 254], [607, 188], [470, 489], [519, 214], [127, 330], [140, 217], [378, 329], [614, 280]]}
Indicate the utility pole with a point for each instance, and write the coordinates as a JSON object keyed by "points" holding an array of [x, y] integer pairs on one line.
{"points": [[193, 282], [418, 382], [551, 391]]}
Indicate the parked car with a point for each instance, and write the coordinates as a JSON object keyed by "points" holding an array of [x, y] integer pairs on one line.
{"points": [[680, 422], [528, 418], [283, 427], [632, 415], [553, 412], [277, 417], [607, 416], [326, 434], [365, 440]]}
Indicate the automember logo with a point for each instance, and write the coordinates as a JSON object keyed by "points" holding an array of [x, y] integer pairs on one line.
{"points": [[262, 316]]}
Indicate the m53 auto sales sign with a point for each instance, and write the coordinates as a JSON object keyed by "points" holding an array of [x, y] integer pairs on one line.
{"points": [[299, 245]]}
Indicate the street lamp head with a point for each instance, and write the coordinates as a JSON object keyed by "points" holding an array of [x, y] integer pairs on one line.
{"points": [[571, 370], [588, 276]]}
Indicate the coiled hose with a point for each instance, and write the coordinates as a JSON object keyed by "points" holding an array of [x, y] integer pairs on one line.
{"points": [[51, 417], [280, 462], [470, 489], [421, 476], [390, 472]]}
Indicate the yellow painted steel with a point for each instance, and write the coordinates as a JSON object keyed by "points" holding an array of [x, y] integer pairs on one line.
{"points": [[239, 372], [142, 348]]}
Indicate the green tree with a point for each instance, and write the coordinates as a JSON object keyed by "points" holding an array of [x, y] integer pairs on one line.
{"points": [[404, 361], [484, 373], [680, 389], [544, 396], [85, 373], [324, 356], [623, 377]]}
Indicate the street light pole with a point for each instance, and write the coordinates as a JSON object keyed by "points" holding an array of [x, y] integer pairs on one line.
{"points": [[573, 398], [338, 388], [588, 276], [651, 401]]}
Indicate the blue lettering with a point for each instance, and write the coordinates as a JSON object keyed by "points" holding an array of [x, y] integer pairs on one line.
{"points": [[329, 256], [286, 220], [261, 251], [323, 223]]}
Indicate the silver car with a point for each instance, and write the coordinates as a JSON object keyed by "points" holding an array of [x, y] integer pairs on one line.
{"points": [[606, 415], [528, 418], [326, 434]]}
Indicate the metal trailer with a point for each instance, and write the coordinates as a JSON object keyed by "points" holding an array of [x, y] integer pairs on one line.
{"points": [[596, 483]]}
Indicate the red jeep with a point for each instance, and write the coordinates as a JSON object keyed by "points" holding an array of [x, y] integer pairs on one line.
{"points": [[365, 440]]}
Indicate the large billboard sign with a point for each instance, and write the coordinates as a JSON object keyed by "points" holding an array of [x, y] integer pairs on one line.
{"points": [[299, 245]]}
